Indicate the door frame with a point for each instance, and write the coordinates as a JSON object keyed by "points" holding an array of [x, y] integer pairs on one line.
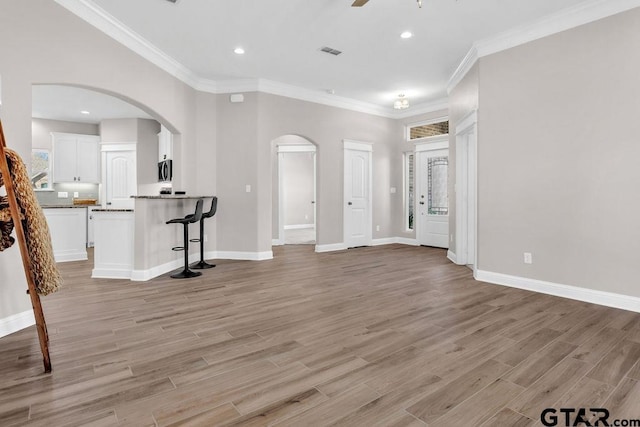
{"points": [[281, 150], [467, 190], [351, 145], [432, 143]]}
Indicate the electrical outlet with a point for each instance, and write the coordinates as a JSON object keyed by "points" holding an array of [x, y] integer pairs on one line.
{"points": [[247, 188], [451, 238], [62, 194], [76, 194], [206, 238], [377, 228], [393, 190], [306, 217], [528, 258]]}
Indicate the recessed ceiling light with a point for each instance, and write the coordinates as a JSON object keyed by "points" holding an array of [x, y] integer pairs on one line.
{"points": [[84, 112], [406, 35], [239, 51]]}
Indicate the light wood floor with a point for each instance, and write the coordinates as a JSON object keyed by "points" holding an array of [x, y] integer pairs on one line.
{"points": [[389, 336]]}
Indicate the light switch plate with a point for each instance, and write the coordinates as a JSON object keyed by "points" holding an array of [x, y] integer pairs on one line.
{"points": [[393, 190], [247, 188], [62, 194]]}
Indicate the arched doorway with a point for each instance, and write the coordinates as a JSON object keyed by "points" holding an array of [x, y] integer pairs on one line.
{"points": [[294, 195]]}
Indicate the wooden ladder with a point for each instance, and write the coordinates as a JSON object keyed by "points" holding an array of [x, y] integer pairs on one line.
{"points": [[14, 208]]}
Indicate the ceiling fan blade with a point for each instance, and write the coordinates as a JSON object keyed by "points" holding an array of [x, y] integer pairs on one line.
{"points": [[359, 3]]}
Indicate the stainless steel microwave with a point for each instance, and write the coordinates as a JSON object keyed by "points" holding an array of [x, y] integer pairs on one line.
{"points": [[165, 170]]}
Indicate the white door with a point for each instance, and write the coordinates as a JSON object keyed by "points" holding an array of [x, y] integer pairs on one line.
{"points": [[121, 180], [357, 197], [432, 198]]}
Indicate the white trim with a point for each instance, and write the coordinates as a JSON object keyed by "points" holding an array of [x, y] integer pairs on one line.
{"points": [[108, 273], [306, 148], [71, 255], [609, 299], [276, 242], [108, 24], [384, 241], [298, 226], [280, 157], [452, 256], [331, 247], [16, 322], [438, 142], [144, 275], [565, 19], [466, 173], [99, 18], [350, 144], [114, 146], [246, 256], [407, 241], [465, 66]]}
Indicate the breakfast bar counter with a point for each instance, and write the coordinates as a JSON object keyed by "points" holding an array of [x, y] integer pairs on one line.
{"points": [[154, 238]]}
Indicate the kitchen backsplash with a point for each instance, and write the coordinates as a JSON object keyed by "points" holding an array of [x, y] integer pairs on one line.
{"points": [[85, 191]]}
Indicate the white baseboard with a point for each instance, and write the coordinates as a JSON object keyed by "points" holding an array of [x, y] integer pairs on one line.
{"points": [[144, 275], [248, 256], [111, 273], [452, 257], [407, 241], [71, 256], [331, 247], [384, 241], [609, 299], [298, 226], [16, 322], [276, 242]]}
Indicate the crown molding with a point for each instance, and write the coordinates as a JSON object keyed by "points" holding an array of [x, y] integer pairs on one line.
{"points": [[103, 21], [99, 18], [563, 20], [465, 66]]}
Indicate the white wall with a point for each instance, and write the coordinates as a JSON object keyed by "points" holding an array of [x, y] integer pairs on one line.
{"points": [[558, 157]]}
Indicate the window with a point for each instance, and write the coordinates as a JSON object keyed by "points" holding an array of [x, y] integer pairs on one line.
{"points": [[425, 130], [408, 189], [41, 169]]}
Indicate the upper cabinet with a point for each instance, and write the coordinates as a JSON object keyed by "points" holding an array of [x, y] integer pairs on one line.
{"points": [[76, 158], [165, 144]]}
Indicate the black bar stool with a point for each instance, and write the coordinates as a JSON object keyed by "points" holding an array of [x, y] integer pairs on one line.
{"points": [[189, 219], [203, 264]]}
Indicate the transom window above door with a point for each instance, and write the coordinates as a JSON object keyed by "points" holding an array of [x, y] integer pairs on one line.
{"points": [[427, 129]]}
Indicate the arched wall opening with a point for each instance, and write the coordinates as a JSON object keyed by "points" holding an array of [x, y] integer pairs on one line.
{"points": [[294, 190]]}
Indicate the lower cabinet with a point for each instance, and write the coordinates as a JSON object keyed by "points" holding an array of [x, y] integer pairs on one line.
{"points": [[68, 228], [113, 244]]}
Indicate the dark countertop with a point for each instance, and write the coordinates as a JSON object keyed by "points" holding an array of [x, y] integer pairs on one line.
{"points": [[113, 210], [65, 206], [171, 197]]}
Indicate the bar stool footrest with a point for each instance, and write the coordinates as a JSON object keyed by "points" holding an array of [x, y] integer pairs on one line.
{"points": [[178, 248]]}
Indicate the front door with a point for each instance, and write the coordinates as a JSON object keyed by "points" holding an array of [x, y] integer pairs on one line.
{"points": [[432, 201], [357, 195], [121, 181]]}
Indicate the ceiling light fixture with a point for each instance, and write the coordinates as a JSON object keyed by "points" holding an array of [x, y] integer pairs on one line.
{"points": [[238, 51], [85, 112], [406, 35], [401, 103], [419, 3]]}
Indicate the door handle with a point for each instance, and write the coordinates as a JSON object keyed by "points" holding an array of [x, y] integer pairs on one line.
{"points": [[108, 203], [313, 202], [349, 203], [422, 203]]}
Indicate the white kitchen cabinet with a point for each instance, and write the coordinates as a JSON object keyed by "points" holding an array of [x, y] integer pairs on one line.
{"points": [[76, 158], [68, 228], [165, 144]]}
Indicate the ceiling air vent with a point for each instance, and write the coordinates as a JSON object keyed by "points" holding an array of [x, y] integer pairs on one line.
{"points": [[335, 52], [173, 1]]}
